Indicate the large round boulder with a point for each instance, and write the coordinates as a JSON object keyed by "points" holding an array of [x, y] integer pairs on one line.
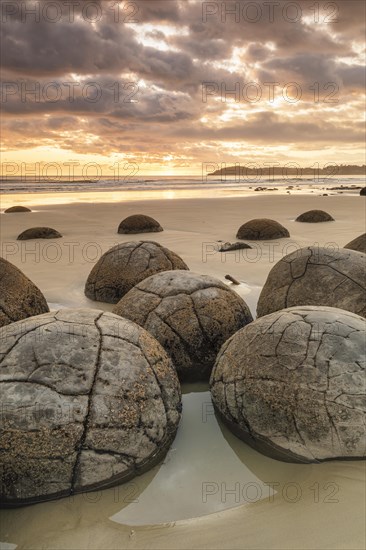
{"points": [[19, 297], [39, 233], [191, 315], [91, 401], [316, 276], [315, 216], [16, 209], [262, 229], [292, 384], [139, 223], [358, 244], [125, 265]]}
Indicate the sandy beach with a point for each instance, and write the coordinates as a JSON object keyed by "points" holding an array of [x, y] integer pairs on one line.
{"points": [[309, 506]]}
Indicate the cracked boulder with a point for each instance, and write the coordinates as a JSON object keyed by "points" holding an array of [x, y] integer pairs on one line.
{"points": [[262, 229], [125, 265], [16, 209], [358, 244], [89, 401], [292, 385], [315, 216], [19, 297], [39, 233], [316, 276], [191, 316], [139, 223]]}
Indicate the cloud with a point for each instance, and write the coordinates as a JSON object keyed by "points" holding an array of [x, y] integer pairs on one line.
{"points": [[166, 55]]}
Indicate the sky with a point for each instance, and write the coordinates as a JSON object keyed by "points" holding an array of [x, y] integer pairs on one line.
{"points": [[166, 87]]}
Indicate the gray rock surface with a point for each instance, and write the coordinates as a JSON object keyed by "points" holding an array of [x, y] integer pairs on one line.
{"points": [[316, 276], [191, 316], [315, 216], [262, 229], [358, 244], [89, 400], [16, 209], [292, 384], [139, 223], [39, 233], [19, 297], [125, 265]]}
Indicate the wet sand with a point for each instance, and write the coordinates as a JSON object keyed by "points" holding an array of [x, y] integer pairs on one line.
{"points": [[213, 490]]}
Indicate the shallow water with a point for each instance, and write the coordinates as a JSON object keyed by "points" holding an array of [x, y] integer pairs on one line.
{"points": [[207, 470]]}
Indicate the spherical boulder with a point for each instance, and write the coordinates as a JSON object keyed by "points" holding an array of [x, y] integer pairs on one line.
{"points": [[125, 265], [91, 401], [292, 384], [19, 297], [191, 315], [39, 233], [16, 209], [316, 276], [358, 244], [315, 216], [139, 223], [363, 191], [262, 229]]}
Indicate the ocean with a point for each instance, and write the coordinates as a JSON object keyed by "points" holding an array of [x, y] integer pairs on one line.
{"points": [[61, 184]]}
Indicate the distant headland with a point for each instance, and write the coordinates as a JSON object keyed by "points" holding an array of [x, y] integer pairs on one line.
{"points": [[328, 170]]}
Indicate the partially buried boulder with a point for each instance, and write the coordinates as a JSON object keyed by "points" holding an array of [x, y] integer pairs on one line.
{"points": [[92, 400], [358, 244], [19, 297], [262, 229], [139, 223], [191, 315], [229, 247], [16, 209], [292, 384], [125, 265], [315, 216], [39, 233], [316, 276]]}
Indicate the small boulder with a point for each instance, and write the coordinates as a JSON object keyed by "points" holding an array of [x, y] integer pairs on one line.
{"points": [[15, 209], [190, 315], [139, 223], [92, 400], [292, 384], [262, 229], [229, 247], [39, 233], [315, 216], [316, 276], [19, 297], [125, 265], [358, 244], [363, 191]]}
